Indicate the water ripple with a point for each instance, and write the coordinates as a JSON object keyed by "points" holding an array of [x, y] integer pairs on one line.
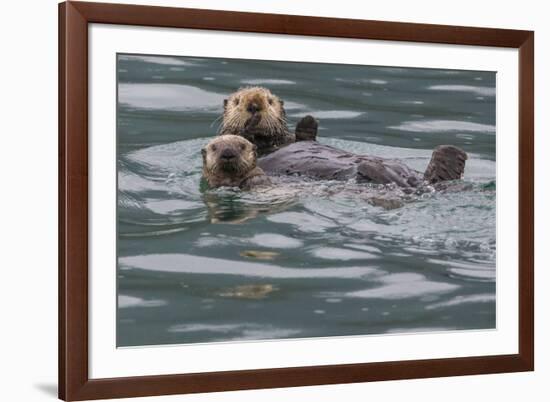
{"points": [[404, 286], [172, 97], [192, 264], [483, 91], [436, 126]]}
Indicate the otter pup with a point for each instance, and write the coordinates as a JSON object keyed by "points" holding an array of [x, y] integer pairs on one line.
{"points": [[230, 160], [259, 116]]}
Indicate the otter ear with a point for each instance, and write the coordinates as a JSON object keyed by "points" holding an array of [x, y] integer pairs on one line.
{"points": [[282, 102], [203, 152], [224, 104]]}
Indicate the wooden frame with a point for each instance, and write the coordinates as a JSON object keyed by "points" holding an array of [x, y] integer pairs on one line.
{"points": [[74, 383]]}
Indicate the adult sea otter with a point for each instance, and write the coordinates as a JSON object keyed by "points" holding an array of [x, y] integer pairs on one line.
{"points": [[259, 116]]}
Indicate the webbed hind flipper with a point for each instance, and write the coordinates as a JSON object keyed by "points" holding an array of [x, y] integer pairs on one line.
{"points": [[447, 163], [306, 129]]}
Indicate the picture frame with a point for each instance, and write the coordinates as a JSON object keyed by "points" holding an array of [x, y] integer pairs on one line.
{"points": [[74, 173]]}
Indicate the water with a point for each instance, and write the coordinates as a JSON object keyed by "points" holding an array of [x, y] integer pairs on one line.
{"points": [[301, 259]]}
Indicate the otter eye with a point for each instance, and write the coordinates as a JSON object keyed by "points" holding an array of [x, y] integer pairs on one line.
{"points": [[270, 101], [213, 147], [236, 101], [243, 146]]}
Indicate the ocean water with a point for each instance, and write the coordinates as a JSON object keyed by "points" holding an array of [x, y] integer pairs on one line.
{"points": [[303, 258]]}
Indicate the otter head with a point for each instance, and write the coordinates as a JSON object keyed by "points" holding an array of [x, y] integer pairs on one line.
{"points": [[228, 157], [254, 107]]}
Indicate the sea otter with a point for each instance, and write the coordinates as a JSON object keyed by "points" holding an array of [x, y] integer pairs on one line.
{"points": [[315, 160], [230, 160], [257, 115]]}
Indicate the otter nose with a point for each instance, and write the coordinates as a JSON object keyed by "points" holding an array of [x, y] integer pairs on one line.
{"points": [[253, 108], [228, 154]]}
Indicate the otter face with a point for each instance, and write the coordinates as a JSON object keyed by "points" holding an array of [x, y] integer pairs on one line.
{"points": [[253, 104], [228, 155]]}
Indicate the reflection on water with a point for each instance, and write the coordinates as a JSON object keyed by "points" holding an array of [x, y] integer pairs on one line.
{"points": [[302, 258]]}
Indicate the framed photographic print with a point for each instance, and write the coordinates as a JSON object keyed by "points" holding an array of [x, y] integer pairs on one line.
{"points": [[259, 200]]}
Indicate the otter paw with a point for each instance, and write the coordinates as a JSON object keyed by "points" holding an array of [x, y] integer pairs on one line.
{"points": [[252, 122], [306, 129]]}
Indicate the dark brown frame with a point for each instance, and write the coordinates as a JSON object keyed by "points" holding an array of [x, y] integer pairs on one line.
{"points": [[74, 17]]}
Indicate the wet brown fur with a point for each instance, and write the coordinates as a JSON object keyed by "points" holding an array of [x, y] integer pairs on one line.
{"points": [[239, 170], [259, 116]]}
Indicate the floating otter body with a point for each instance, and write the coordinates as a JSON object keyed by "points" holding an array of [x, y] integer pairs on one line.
{"points": [[319, 161], [257, 115], [230, 160]]}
